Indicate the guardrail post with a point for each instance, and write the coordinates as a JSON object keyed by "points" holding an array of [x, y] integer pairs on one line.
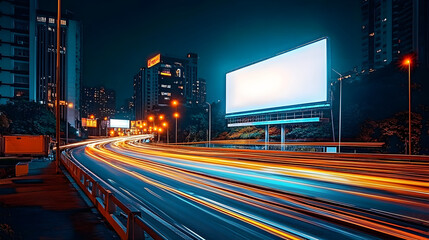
{"points": [[94, 191], [110, 206], [133, 230]]}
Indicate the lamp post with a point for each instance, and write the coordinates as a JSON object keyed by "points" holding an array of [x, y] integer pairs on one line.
{"points": [[159, 133], [58, 89], [176, 116], [175, 103], [407, 62], [339, 119], [165, 125], [210, 123]]}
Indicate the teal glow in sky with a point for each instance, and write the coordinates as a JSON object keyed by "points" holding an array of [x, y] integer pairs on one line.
{"points": [[119, 36]]}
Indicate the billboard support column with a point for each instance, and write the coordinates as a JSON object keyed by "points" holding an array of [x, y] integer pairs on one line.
{"points": [[282, 137], [267, 136]]}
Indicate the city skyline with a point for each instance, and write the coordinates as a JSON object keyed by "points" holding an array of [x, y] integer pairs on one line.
{"points": [[245, 33]]}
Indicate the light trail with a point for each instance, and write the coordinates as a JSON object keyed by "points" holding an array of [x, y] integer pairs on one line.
{"points": [[277, 194]]}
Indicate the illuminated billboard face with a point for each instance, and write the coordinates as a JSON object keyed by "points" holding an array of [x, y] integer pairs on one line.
{"points": [[119, 123], [292, 78]]}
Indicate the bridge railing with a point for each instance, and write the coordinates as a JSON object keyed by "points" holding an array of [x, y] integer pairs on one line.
{"points": [[125, 219]]}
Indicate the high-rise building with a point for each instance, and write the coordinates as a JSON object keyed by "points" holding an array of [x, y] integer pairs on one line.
{"points": [[70, 64], [139, 84], [392, 29], [160, 82], [28, 57], [191, 74], [99, 102], [126, 111], [16, 27], [200, 92]]}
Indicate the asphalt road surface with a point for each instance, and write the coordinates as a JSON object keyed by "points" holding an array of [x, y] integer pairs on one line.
{"points": [[201, 193]]}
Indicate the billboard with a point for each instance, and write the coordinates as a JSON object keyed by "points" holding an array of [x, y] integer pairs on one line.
{"points": [[119, 123], [295, 78]]}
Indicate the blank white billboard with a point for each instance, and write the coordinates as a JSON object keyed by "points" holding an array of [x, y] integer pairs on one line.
{"points": [[292, 78], [119, 123]]}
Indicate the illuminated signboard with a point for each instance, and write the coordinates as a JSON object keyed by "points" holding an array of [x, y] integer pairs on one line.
{"points": [[294, 78], [87, 122], [119, 123], [91, 123], [153, 61]]}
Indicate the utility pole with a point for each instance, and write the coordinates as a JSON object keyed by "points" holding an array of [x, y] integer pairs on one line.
{"points": [[58, 89], [210, 123], [339, 119]]}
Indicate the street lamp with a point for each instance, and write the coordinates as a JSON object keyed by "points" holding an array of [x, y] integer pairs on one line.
{"points": [[159, 133], [58, 90], [339, 119], [176, 116], [165, 125], [210, 122], [407, 62]]}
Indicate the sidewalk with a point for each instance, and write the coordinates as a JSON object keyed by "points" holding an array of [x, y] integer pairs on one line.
{"points": [[45, 205]]}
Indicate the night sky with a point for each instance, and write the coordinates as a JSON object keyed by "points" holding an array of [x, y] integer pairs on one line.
{"points": [[119, 36]]}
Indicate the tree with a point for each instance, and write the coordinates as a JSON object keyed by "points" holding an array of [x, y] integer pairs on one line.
{"points": [[29, 118], [4, 124]]}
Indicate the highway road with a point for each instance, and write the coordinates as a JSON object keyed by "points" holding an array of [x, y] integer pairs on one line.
{"points": [[201, 193]]}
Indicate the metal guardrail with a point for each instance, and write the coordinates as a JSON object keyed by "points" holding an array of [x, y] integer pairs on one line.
{"points": [[125, 219]]}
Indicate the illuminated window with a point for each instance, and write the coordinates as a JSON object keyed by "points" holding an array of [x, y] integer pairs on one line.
{"points": [[51, 20], [63, 22], [379, 50], [371, 34], [41, 19]]}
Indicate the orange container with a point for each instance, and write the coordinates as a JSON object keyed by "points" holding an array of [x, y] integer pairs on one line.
{"points": [[26, 145]]}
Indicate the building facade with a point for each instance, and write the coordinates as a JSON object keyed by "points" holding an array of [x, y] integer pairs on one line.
{"points": [[15, 47], [28, 57], [99, 102], [70, 64], [200, 92], [392, 29], [156, 85], [191, 74]]}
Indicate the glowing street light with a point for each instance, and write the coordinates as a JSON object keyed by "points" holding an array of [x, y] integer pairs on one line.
{"points": [[210, 123], [159, 133], [407, 63], [165, 125], [92, 116], [161, 117], [176, 116]]}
